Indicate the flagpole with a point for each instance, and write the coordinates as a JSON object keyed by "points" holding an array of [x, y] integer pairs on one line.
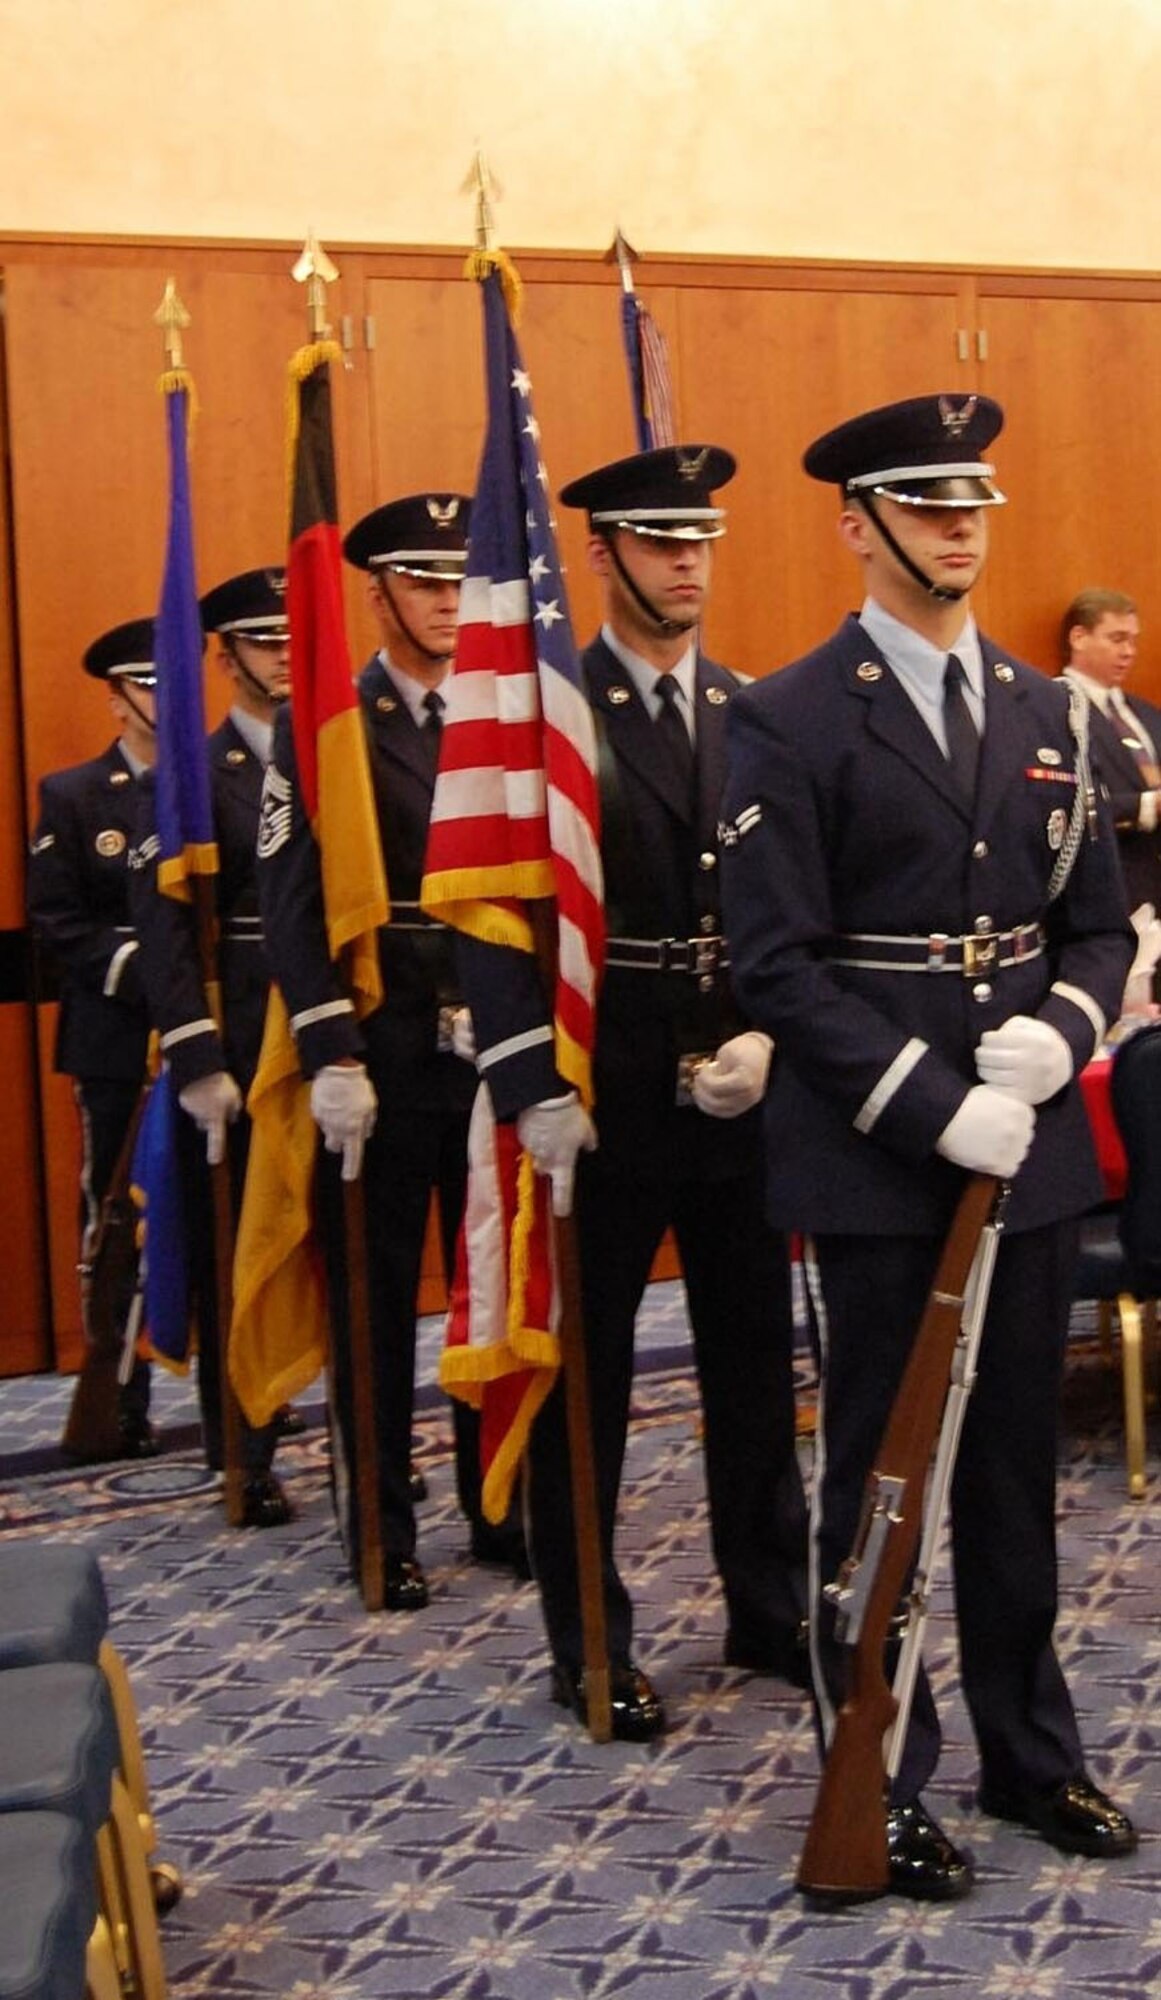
{"points": [[173, 318], [316, 270], [574, 1360]]}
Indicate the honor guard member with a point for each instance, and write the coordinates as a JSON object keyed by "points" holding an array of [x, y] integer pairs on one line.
{"points": [[678, 1078], [212, 1070], [401, 1058], [925, 912], [78, 901], [1099, 634]]}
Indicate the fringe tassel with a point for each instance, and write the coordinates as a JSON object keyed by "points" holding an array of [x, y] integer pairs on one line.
{"points": [[482, 263], [316, 354]]}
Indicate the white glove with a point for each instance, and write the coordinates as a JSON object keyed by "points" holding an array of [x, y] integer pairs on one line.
{"points": [[554, 1132], [736, 1078], [343, 1105], [990, 1133], [213, 1102], [463, 1035], [1025, 1056]]}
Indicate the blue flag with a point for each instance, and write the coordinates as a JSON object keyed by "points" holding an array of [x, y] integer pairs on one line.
{"points": [[163, 1275], [185, 827]]}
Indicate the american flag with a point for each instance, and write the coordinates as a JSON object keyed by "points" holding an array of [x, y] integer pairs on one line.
{"points": [[515, 815], [649, 384]]}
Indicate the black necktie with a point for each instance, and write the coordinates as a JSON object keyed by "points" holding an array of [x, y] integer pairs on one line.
{"points": [[963, 740], [432, 729], [673, 735]]}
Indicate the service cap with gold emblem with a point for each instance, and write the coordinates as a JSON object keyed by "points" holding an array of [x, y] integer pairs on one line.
{"points": [[124, 653], [251, 605], [924, 452], [667, 493], [424, 534]]}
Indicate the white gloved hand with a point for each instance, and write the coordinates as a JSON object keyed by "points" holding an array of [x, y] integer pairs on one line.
{"points": [[463, 1035], [990, 1133], [343, 1105], [736, 1078], [554, 1132], [1025, 1056], [213, 1102]]}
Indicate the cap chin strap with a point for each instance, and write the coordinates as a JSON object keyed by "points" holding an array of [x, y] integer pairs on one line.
{"points": [[146, 721], [668, 627], [437, 654], [944, 592], [256, 687]]}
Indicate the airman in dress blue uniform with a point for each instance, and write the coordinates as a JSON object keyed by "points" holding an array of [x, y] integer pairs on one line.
{"points": [[678, 1077], [925, 912], [399, 1069], [213, 1069], [78, 900]]}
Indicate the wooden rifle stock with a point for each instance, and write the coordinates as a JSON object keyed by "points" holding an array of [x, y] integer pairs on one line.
{"points": [[92, 1431], [845, 1855]]}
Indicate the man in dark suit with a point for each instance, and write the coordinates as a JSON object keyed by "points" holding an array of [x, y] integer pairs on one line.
{"points": [[397, 1071], [1099, 635], [213, 1068], [678, 1078], [78, 900], [924, 909]]}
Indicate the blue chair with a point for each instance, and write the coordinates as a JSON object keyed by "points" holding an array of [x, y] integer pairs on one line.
{"points": [[59, 1753], [53, 1607], [50, 1909], [1120, 1250]]}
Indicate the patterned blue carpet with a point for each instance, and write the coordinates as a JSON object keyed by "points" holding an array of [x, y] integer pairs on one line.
{"points": [[390, 1809]]}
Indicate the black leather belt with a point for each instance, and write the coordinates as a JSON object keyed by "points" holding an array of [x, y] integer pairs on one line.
{"points": [[701, 957], [973, 957]]}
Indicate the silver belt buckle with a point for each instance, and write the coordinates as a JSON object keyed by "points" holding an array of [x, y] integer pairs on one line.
{"points": [[981, 955], [707, 955]]}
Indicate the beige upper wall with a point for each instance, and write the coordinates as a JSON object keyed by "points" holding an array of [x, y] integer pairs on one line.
{"points": [[1011, 132]]}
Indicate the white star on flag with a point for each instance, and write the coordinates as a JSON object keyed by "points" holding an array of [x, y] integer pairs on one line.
{"points": [[548, 614]]}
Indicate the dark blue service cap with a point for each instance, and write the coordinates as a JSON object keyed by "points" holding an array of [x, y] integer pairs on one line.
{"points": [[424, 534], [253, 605], [665, 493], [124, 654], [927, 451]]}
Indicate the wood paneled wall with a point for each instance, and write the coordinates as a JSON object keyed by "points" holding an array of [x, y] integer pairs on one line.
{"points": [[764, 356]]}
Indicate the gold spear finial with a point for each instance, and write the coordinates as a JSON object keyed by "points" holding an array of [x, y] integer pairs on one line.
{"points": [[622, 253], [482, 182], [315, 270], [172, 317]]}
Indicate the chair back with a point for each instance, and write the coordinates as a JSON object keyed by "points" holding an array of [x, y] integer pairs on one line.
{"points": [[1136, 1098]]}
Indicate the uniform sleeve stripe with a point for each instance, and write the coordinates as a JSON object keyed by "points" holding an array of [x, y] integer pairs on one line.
{"points": [[1087, 1005], [187, 1032], [327, 1012], [514, 1046], [869, 1114], [116, 967]]}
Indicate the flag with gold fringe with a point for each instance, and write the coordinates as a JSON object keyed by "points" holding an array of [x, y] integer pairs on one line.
{"points": [[515, 822], [278, 1339]]}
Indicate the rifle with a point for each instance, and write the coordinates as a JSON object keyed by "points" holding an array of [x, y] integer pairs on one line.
{"points": [[845, 1855], [93, 1429]]}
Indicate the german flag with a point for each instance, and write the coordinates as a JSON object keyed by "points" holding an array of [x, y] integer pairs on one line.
{"points": [[278, 1340]]}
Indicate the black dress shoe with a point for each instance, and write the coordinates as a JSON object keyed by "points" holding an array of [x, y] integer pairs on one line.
{"points": [[784, 1654], [138, 1437], [922, 1861], [418, 1487], [503, 1548], [264, 1504], [637, 1713], [288, 1423], [1076, 1818], [404, 1584]]}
